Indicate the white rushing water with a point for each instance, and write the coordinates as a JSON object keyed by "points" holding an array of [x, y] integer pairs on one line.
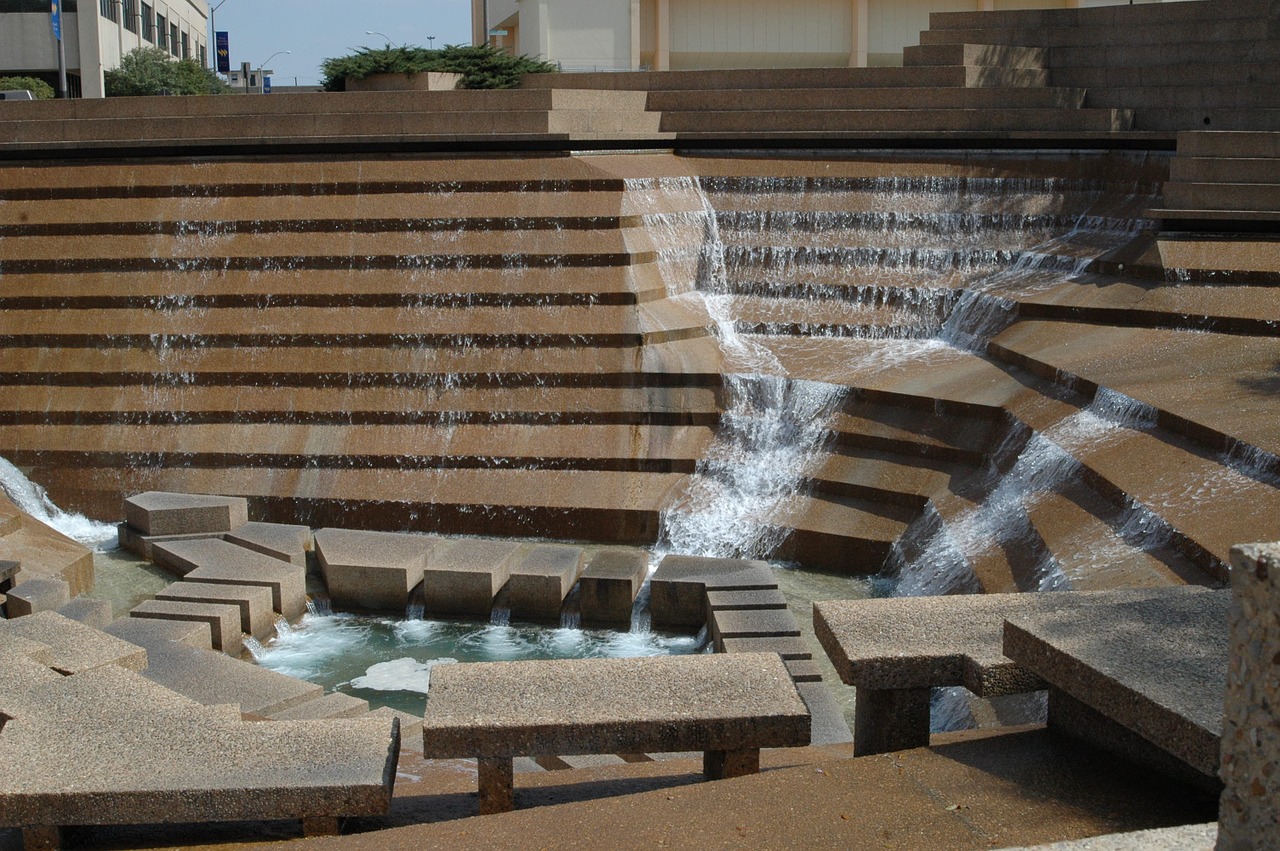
{"points": [[32, 499]]}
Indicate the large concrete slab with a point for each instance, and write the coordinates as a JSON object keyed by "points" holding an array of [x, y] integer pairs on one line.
{"points": [[372, 571], [462, 577], [581, 706], [214, 768], [75, 647], [541, 580], [37, 595], [222, 562], [609, 585], [1158, 666], [211, 678], [162, 513]]}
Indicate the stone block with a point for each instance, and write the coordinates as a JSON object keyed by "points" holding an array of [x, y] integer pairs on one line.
{"points": [[74, 646], [221, 562], [1160, 673], [372, 571], [142, 632], [14, 646], [143, 546], [94, 613], [278, 540], [223, 619], [410, 725], [677, 589], [788, 648], [803, 670], [462, 577], [1249, 815], [257, 617], [161, 513], [745, 600], [757, 623], [37, 595], [8, 573], [542, 579], [609, 585]]}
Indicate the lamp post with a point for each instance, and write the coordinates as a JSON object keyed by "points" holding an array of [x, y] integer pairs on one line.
{"points": [[214, 28], [263, 65], [390, 41], [431, 42]]}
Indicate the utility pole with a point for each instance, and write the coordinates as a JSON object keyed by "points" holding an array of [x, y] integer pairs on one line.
{"points": [[56, 11]]}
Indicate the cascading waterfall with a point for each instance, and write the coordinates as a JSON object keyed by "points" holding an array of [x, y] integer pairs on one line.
{"points": [[30, 498]]}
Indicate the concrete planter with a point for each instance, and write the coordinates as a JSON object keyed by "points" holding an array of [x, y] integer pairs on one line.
{"points": [[425, 81]]}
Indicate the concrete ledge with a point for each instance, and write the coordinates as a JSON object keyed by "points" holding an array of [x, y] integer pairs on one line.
{"points": [[254, 601], [37, 595], [218, 561], [372, 571], [162, 513], [73, 646], [223, 619], [93, 613], [541, 580], [608, 587], [463, 576], [677, 589], [280, 541]]}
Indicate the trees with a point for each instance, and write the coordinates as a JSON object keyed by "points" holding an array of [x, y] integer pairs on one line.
{"points": [[37, 87], [151, 71], [481, 67]]}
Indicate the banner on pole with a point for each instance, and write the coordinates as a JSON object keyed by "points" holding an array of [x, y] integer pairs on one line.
{"points": [[56, 8], [223, 50]]}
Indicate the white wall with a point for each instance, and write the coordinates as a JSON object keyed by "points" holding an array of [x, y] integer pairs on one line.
{"points": [[893, 24], [26, 43], [760, 33], [579, 34]]}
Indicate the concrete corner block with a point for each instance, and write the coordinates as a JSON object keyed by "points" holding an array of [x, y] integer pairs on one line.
{"points": [[37, 595], [162, 513], [609, 586], [257, 617], [1249, 812], [372, 571], [677, 589], [462, 577], [223, 619], [542, 579], [74, 646], [280, 541], [217, 561], [94, 613]]}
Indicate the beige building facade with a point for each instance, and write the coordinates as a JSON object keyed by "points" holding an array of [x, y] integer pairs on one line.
{"points": [[661, 35], [95, 35]]}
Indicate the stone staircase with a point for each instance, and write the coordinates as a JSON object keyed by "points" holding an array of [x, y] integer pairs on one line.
{"points": [[1223, 181]]}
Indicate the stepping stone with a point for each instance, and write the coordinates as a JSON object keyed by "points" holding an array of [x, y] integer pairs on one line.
{"points": [[609, 586], [788, 648], [8, 572], [745, 600], [827, 718], [372, 571], [542, 579], [677, 590], [142, 631], [143, 545], [220, 562], [256, 615], [94, 613], [758, 623], [278, 540], [462, 577], [161, 513], [332, 705], [803, 670], [74, 646], [223, 619], [211, 678], [1157, 667], [37, 595], [410, 725]]}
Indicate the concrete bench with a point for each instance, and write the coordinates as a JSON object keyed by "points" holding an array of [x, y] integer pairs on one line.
{"points": [[896, 651], [727, 706]]}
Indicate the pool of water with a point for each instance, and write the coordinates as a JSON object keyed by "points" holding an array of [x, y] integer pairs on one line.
{"points": [[388, 661]]}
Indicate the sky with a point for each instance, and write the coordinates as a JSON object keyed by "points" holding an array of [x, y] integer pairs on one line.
{"points": [[315, 30]]}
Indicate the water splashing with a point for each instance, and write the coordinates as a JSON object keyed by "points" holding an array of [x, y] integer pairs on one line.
{"points": [[31, 499]]}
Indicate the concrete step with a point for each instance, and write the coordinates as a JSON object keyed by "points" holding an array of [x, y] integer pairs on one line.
{"points": [[43, 553], [1101, 80], [1198, 51], [1002, 56], [219, 562], [882, 477], [1229, 145], [899, 120], [773, 78], [1160, 119], [282, 541], [1241, 30], [1201, 170], [332, 705], [541, 579], [840, 534], [866, 98], [223, 619], [212, 678], [73, 646], [1138, 16], [256, 615], [1236, 195]]}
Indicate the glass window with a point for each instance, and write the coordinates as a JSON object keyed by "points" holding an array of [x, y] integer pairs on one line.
{"points": [[204, 57], [162, 32], [173, 39], [186, 46], [130, 10], [148, 23], [109, 10]]}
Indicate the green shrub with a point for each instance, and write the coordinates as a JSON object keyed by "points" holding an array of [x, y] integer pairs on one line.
{"points": [[481, 67], [151, 71], [37, 87]]}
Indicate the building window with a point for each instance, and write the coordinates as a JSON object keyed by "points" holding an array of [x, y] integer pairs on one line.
{"points": [[204, 57], [186, 46], [173, 39], [162, 33], [148, 23], [109, 10], [130, 8], [32, 7]]}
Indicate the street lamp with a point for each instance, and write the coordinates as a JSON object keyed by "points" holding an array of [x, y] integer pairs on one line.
{"points": [[390, 41], [263, 65], [431, 42], [214, 32]]}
